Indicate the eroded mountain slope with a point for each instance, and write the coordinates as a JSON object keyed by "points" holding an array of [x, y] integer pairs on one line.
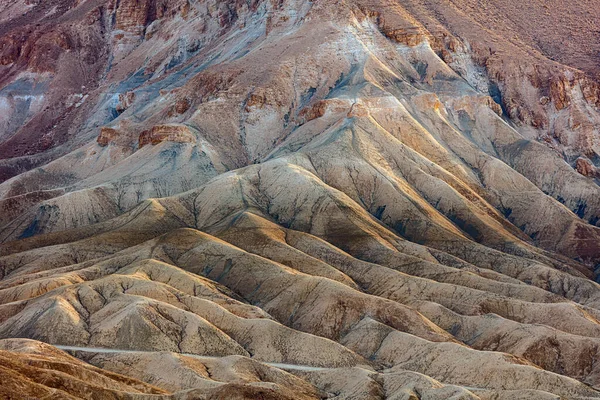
{"points": [[398, 194]]}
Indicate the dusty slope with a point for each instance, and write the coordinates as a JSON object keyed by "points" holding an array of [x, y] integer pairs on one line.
{"points": [[405, 194]]}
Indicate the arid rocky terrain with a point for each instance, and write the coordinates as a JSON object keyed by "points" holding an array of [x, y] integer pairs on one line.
{"points": [[295, 199]]}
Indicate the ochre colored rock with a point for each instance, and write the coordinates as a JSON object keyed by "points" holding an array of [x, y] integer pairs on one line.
{"points": [[166, 133], [559, 88], [357, 110], [409, 37], [107, 135], [255, 100], [182, 105], [133, 15], [315, 111], [585, 167]]}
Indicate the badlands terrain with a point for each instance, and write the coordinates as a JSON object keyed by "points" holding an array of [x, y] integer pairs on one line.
{"points": [[295, 199]]}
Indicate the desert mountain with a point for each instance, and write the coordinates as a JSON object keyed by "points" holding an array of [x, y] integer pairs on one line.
{"points": [[294, 199]]}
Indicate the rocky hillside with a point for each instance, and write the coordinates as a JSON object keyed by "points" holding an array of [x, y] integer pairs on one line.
{"points": [[294, 199]]}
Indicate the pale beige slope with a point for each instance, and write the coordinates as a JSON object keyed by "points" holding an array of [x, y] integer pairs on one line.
{"points": [[347, 243], [577, 361], [121, 309], [569, 354], [177, 373], [362, 384], [184, 257], [40, 370], [456, 364], [474, 294], [32, 369], [213, 214], [174, 249], [358, 225], [296, 249]]}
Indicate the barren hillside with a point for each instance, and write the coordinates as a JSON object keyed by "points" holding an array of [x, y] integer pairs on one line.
{"points": [[294, 199]]}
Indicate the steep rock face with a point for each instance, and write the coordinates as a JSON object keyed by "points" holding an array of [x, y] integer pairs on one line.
{"points": [[50, 65], [387, 199], [60, 64], [536, 92]]}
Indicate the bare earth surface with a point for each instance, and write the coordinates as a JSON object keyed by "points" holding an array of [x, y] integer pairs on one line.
{"points": [[294, 199]]}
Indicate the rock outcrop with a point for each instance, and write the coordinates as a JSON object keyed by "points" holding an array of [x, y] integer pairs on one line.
{"points": [[170, 133], [107, 136], [586, 168]]}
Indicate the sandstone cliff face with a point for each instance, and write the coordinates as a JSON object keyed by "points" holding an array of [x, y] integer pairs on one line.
{"points": [[298, 200]]}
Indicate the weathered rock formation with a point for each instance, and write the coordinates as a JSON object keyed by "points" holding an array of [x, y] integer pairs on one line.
{"points": [[299, 199], [107, 136], [171, 133]]}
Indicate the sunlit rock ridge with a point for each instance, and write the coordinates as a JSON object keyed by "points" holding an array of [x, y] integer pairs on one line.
{"points": [[294, 199]]}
